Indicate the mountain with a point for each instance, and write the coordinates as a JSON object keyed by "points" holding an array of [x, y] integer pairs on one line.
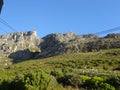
{"points": [[59, 62], [26, 45]]}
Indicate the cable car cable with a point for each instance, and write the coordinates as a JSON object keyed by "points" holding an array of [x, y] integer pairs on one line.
{"points": [[8, 25]]}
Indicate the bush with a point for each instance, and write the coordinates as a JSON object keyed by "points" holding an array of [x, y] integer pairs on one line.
{"points": [[73, 80], [106, 86], [17, 84], [4, 85], [98, 83], [39, 80], [34, 80], [115, 81], [57, 73]]}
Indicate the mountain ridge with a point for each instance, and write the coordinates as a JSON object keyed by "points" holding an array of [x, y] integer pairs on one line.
{"points": [[26, 45]]}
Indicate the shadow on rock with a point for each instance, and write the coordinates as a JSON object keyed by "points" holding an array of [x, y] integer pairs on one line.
{"points": [[22, 55]]}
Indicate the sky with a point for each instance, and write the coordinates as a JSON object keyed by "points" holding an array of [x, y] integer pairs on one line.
{"points": [[60, 16]]}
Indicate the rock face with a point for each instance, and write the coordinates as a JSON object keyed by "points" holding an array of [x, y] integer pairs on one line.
{"points": [[54, 44], [16, 42], [26, 45], [90, 36], [115, 36]]}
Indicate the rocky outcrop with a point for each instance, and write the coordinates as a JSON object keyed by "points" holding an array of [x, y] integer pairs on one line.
{"points": [[54, 44], [91, 36], [113, 35], [26, 45], [23, 45], [20, 41]]}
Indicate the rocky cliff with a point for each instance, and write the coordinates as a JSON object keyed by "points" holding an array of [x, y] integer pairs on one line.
{"points": [[26, 45], [19, 45], [54, 44]]}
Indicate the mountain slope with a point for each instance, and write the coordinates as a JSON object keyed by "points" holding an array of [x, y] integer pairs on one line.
{"points": [[70, 70]]}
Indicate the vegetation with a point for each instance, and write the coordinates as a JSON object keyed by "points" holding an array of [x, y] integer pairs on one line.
{"points": [[82, 71]]}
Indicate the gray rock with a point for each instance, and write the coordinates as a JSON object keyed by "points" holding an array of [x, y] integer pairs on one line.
{"points": [[113, 35], [54, 44], [15, 42], [26, 45]]}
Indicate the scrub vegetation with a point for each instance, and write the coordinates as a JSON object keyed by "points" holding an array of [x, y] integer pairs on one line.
{"points": [[79, 71]]}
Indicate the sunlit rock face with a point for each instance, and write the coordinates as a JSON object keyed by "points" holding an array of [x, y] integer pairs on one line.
{"points": [[26, 45], [20, 41]]}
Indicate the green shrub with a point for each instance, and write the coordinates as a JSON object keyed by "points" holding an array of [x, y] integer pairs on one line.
{"points": [[39, 80], [115, 81], [57, 73], [17, 84], [34, 80], [106, 86], [98, 83], [65, 80], [93, 82], [73, 80]]}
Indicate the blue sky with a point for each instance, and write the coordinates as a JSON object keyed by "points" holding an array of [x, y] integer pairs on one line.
{"points": [[60, 16]]}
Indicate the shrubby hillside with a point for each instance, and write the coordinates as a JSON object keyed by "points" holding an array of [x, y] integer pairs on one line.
{"points": [[76, 71], [59, 62]]}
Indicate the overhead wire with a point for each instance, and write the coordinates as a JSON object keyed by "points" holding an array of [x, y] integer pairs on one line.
{"points": [[108, 31], [97, 33], [7, 24]]}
